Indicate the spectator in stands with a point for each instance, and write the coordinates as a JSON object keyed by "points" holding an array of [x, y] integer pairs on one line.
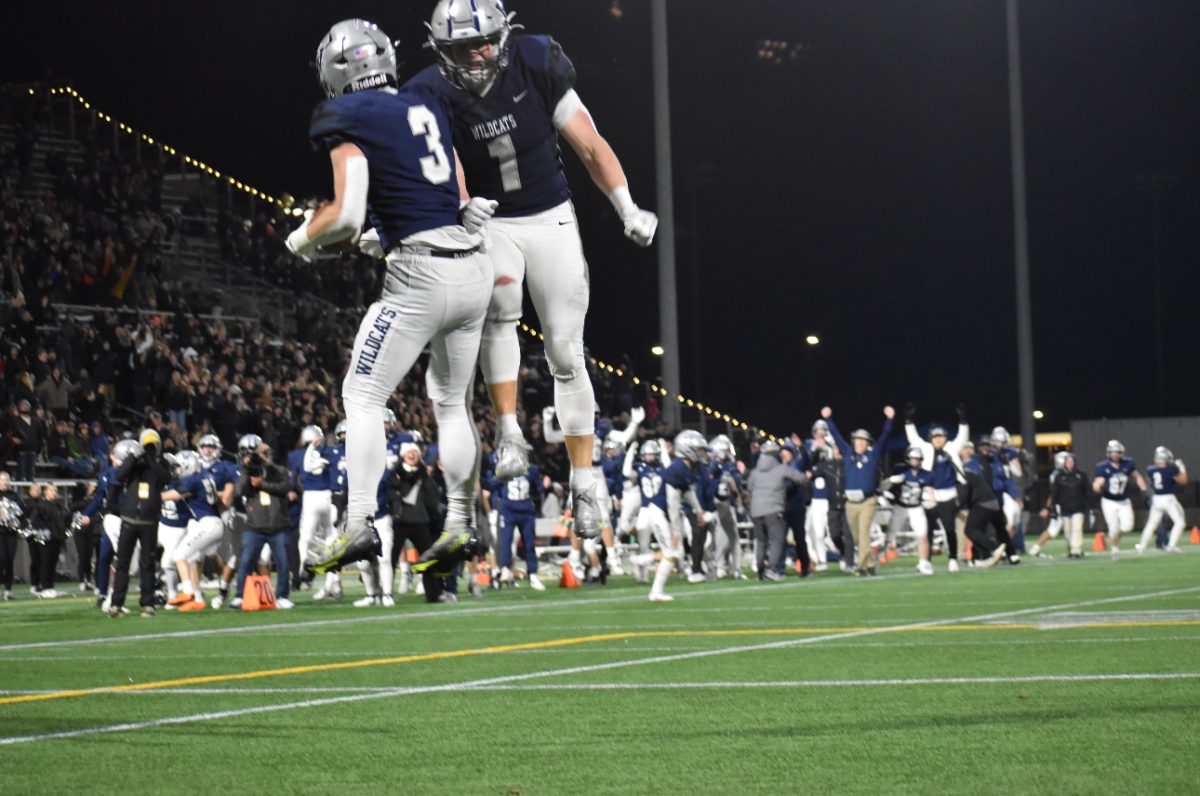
{"points": [[28, 437], [54, 392]]}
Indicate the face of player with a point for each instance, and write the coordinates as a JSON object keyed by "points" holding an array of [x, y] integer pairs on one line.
{"points": [[914, 462], [939, 442], [473, 53], [1160, 461], [967, 454], [860, 445], [412, 458], [208, 451], [1115, 457]]}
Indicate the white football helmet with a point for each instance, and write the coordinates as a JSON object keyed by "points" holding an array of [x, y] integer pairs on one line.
{"points": [[311, 434], [691, 446], [1000, 437], [1060, 460], [249, 444], [355, 55], [210, 449], [124, 449], [1163, 456], [458, 25], [188, 463], [1114, 446], [649, 452], [339, 432]]}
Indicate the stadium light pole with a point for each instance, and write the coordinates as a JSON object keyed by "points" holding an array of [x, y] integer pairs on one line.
{"points": [[1016, 123], [668, 305]]}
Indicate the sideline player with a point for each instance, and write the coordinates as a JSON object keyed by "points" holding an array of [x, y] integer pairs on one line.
{"points": [[512, 98], [1166, 473], [940, 455], [914, 493], [390, 156], [1112, 484]]}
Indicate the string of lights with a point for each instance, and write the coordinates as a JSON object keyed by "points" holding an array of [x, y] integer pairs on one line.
{"points": [[286, 204], [188, 160], [682, 399]]}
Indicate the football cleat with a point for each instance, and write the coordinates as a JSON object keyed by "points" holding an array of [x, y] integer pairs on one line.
{"points": [[696, 577], [183, 598], [660, 597], [924, 568], [451, 548], [388, 601], [586, 517], [512, 459], [953, 565], [358, 542], [535, 583], [368, 601]]}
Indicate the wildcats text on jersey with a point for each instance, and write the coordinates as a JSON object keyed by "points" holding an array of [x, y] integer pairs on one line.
{"points": [[486, 131]]}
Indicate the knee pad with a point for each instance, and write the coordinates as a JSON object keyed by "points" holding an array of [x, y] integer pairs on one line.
{"points": [[565, 357], [506, 303], [500, 351]]}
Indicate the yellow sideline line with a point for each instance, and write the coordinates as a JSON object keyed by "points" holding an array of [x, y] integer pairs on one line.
{"points": [[542, 645]]}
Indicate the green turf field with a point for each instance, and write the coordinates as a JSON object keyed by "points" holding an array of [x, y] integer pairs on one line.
{"points": [[1052, 677]]}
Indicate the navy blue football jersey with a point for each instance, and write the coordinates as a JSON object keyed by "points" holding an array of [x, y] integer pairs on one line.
{"points": [[1116, 478], [1162, 479], [406, 139], [506, 139]]}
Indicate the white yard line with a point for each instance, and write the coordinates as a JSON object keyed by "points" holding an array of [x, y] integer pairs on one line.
{"points": [[545, 606], [565, 672]]}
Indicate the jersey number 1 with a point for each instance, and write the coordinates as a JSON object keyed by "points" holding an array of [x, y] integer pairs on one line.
{"points": [[436, 167], [502, 149]]}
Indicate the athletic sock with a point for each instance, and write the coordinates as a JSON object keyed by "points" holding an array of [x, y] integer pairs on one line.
{"points": [[582, 478], [508, 427], [661, 574]]}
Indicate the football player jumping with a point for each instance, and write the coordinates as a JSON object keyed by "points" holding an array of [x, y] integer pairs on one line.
{"points": [[390, 155], [1167, 473], [512, 98]]}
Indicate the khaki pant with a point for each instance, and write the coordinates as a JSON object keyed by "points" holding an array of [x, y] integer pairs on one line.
{"points": [[860, 516]]}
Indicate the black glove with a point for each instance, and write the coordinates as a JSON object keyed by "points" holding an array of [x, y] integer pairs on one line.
{"points": [[910, 412], [962, 413]]}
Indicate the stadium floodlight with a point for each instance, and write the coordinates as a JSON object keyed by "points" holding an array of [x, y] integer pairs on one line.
{"points": [[812, 339], [657, 350]]}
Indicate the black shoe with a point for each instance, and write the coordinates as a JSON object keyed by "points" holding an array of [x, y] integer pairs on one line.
{"points": [[450, 549]]}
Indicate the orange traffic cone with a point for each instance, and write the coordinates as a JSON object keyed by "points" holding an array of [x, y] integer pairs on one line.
{"points": [[1196, 534], [892, 555], [484, 576], [568, 579], [1098, 545]]}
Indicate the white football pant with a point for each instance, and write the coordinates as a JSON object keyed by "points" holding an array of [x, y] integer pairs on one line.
{"points": [[1168, 505], [543, 251], [436, 301]]}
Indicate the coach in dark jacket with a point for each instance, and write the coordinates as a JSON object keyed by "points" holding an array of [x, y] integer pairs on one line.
{"points": [[264, 486], [143, 476]]}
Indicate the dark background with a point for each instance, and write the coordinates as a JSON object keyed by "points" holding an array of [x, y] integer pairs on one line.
{"points": [[860, 191]]}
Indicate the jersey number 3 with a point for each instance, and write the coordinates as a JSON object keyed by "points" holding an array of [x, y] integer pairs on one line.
{"points": [[436, 167]]}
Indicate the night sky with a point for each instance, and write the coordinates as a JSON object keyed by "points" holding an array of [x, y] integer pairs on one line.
{"points": [[860, 192]]}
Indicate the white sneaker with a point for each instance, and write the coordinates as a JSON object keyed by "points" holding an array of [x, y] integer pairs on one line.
{"points": [[536, 584], [34, 590], [697, 577], [48, 594], [218, 601], [420, 590], [83, 588], [365, 602], [821, 567], [1116, 554], [405, 582], [388, 601], [236, 602], [722, 573], [847, 566], [614, 565], [506, 577], [320, 594], [953, 565], [448, 597], [1174, 549], [1137, 548], [924, 568], [284, 603], [659, 597]]}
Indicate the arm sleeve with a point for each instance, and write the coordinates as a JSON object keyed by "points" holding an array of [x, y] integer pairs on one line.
{"points": [[556, 73], [627, 470], [910, 432], [626, 435], [884, 436], [838, 439], [330, 126]]}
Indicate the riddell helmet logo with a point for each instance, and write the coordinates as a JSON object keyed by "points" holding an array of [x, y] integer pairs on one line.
{"points": [[371, 81]]}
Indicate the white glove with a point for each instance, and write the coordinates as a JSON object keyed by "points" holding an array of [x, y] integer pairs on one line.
{"points": [[370, 245], [636, 416], [548, 416], [299, 244], [475, 214], [640, 225]]}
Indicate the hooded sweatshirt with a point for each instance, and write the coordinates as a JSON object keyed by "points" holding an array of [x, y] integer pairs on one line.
{"points": [[768, 483]]}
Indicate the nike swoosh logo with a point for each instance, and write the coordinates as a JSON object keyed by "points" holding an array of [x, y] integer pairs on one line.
{"points": [[563, 223], [520, 96]]}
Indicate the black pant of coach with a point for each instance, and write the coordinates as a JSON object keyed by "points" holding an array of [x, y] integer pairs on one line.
{"points": [[133, 532]]}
